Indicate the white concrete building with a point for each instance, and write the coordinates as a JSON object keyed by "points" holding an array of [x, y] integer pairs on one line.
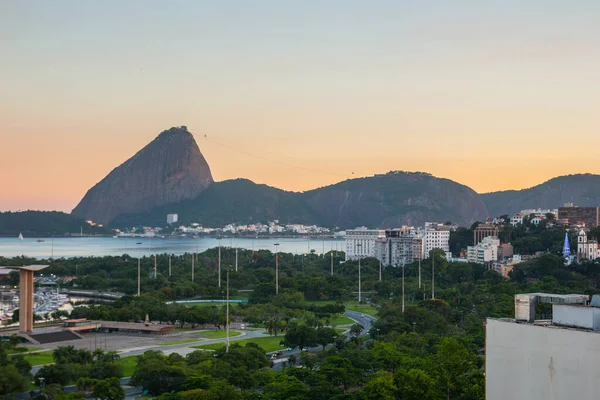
{"points": [[172, 218], [587, 248], [517, 219], [435, 236], [541, 360], [360, 243], [485, 251]]}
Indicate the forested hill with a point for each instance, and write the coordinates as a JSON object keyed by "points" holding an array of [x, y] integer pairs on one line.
{"points": [[580, 189], [386, 200], [43, 223]]}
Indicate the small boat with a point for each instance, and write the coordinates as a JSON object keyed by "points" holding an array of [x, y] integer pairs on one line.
{"points": [[20, 236], [139, 243], [39, 240]]}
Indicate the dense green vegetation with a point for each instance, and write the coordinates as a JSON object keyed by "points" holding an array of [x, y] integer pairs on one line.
{"points": [[43, 223]]}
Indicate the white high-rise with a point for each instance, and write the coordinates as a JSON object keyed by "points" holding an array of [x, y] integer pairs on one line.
{"points": [[436, 236], [360, 243]]}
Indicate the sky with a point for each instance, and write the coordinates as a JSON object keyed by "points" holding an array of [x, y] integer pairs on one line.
{"points": [[298, 94]]}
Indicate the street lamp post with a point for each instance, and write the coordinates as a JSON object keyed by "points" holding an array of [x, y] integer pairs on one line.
{"points": [[359, 285], [236, 259], [433, 276], [227, 318], [380, 270], [169, 265], [219, 262], [193, 267], [332, 263], [139, 273], [402, 287], [276, 268]]}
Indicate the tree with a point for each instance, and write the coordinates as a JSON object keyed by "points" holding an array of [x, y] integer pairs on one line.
{"points": [[300, 336], [416, 384], [285, 387], [380, 387], [325, 336], [11, 380], [108, 389], [356, 329]]}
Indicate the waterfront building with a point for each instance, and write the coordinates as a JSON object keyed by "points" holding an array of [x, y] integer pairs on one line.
{"points": [[360, 242], [436, 236]]}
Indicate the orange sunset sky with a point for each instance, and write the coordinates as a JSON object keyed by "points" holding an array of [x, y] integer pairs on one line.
{"points": [[298, 94]]}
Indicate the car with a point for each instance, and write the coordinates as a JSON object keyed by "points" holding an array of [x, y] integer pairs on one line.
{"points": [[289, 349]]}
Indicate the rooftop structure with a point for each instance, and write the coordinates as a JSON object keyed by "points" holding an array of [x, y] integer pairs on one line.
{"points": [[545, 359]]}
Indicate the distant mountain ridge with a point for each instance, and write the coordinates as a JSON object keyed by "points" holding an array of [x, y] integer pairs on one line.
{"points": [[44, 223], [170, 175], [579, 189], [386, 200]]}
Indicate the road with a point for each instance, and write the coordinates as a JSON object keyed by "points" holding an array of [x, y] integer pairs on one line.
{"points": [[364, 319]]}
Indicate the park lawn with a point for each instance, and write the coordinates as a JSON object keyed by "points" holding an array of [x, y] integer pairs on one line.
{"points": [[340, 319], [365, 309], [216, 333], [129, 364], [340, 330], [182, 341], [269, 344], [44, 357]]}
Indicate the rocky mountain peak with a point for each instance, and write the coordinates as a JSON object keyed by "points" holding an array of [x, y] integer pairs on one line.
{"points": [[169, 169]]}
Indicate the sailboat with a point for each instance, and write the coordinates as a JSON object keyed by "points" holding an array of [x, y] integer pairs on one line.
{"points": [[20, 236]]}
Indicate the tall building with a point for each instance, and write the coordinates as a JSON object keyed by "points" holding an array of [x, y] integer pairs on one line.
{"points": [[397, 247], [546, 359], [436, 236], [172, 218], [360, 243], [590, 216]]}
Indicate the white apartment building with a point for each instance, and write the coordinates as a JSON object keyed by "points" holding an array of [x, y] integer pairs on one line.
{"points": [[436, 236], [548, 359], [485, 251], [360, 243]]}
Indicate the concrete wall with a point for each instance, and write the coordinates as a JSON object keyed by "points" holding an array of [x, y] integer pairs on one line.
{"points": [[525, 361], [577, 316]]}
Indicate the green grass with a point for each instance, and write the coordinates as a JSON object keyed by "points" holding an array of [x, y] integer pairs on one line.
{"points": [[44, 357], [340, 319], [216, 334], [129, 364], [267, 343], [182, 341], [23, 350]]}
